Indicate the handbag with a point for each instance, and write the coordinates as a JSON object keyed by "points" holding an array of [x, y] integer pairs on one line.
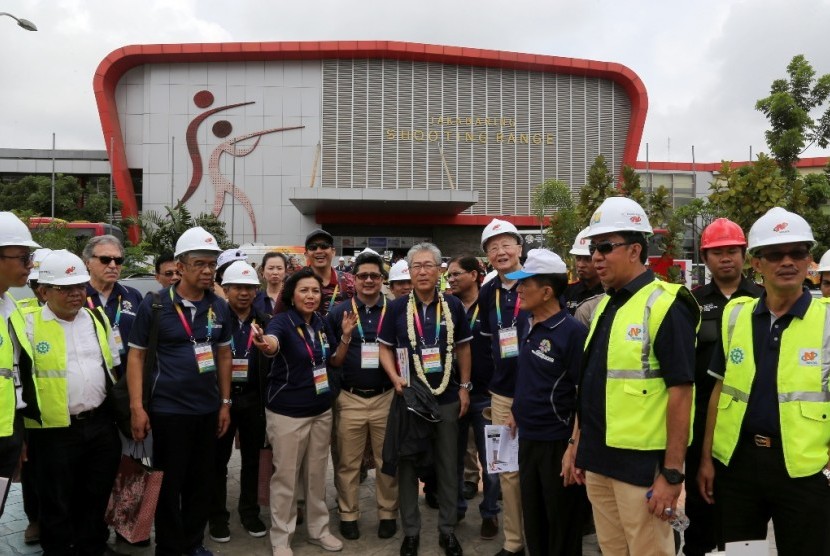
{"points": [[119, 394], [266, 469], [132, 504]]}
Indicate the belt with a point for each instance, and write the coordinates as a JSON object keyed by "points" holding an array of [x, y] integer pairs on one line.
{"points": [[366, 392], [86, 415], [762, 441]]}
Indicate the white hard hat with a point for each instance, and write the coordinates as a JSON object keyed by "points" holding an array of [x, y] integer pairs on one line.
{"points": [[37, 258], [399, 271], [581, 242], [824, 263], [62, 268], [196, 239], [496, 228], [618, 214], [230, 255], [240, 273], [779, 226], [341, 259], [14, 232], [368, 250]]}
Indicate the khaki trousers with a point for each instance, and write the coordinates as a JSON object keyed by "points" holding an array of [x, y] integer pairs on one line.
{"points": [[357, 419], [624, 525], [300, 445], [511, 492]]}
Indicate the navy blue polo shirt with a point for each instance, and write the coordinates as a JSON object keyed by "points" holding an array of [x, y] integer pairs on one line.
{"points": [[264, 304], [240, 336], [129, 300], [395, 335], [762, 415], [481, 356], [549, 359], [674, 347], [291, 390], [503, 382], [178, 386], [352, 374]]}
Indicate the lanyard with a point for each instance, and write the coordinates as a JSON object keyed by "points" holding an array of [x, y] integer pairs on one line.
{"points": [[474, 317], [250, 339], [437, 323], [91, 305], [498, 309], [334, 295], [308, 346], [360, 326], [185, 324]]}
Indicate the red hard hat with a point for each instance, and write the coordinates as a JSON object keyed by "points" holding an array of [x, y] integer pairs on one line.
{"points": [[721, 233]]}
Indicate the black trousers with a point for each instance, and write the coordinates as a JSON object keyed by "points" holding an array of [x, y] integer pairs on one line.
{"points": [[250, 423], [703, 533], [756, 487], [183, 447], [554, 515], [10, 447], [74, 480]]}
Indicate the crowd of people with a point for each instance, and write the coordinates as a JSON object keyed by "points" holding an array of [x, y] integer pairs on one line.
{"points": [[621, 388]]}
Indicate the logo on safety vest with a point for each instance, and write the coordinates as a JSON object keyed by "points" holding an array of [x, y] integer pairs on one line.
{"points": [[736, 355], [808, 357], [43, 347], [544, 346], [635, 332]]}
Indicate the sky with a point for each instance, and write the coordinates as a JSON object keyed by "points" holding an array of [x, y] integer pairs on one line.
{"points": [[704, 63]]}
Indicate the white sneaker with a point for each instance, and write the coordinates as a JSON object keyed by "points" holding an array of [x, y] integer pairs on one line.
{"points": [[328, 542]]}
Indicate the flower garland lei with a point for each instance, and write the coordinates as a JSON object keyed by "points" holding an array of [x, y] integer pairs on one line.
{"points": [[410, 330]]}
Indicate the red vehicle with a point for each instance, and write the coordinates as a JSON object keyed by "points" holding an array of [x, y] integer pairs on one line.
{"points": [[82, 230]]}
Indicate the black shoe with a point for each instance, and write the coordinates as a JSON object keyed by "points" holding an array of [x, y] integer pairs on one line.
{"points": [[387, 528], [431, 500], [505, 552], [219, 532], [119, 539], [489, 528], [409, 546], [450, 544], [470, 490], [349, 530], [255, 527]]}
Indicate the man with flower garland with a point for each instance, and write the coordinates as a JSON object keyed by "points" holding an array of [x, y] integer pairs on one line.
{"points": [[427, 328]]}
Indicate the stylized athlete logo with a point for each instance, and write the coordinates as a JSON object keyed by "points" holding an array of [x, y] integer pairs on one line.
{"points": [[221, 129]]}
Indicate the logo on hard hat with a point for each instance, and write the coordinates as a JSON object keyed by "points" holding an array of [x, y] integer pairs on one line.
{"points": [[635, 219], [583, 241], [208, 239], [497, 226], [780, 227], [70, 270], [596, 217], [808, 357], [246, 272]]}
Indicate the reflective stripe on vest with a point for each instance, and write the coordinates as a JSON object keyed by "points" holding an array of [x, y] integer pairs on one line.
{"points": [[8, 398]]}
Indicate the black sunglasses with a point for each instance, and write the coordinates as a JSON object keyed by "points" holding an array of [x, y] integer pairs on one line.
{"points": [[316, 246], [605, 247], [169, 273], [778, 256], [105, 260], [367, 275]]}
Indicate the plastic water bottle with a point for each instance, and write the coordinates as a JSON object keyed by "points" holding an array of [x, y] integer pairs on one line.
{"points": [[679, 521]]}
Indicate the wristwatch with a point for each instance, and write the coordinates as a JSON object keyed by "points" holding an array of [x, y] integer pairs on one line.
{"points": [[227, 402], [468, 386], [672, 476], [826, 473]]}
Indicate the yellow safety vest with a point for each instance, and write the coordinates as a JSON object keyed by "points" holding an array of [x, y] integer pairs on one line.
{"points": [[49, 366], [636, 396], [8, 399], [802, 384]]}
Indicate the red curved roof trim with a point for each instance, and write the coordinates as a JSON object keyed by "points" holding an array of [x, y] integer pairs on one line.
{"points": [[119, 61], [656, 166]]}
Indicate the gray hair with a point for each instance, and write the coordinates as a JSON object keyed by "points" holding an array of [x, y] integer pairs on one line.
{"points": [[424, 246], [93, 242]]}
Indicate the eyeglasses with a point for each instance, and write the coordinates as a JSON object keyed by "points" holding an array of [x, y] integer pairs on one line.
{"points": [[315, 246], [778, 256], [170, 273], [105, 260], [368, 276], [417, 267], [26, 260], [605, 247], [201, 265], [67, 289], [493, 249]]}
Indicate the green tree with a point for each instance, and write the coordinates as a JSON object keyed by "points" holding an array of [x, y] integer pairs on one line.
{"points": [[631, 187], [744, 194], [554, 198], [788, 109], [598, 186], [72, 200]]}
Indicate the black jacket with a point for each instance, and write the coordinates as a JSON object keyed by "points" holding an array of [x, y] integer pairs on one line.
{"points": [[410, 428]]}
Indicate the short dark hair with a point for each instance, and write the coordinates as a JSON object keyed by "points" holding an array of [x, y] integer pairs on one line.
{"points": [[470, 264], [640, 239], [369, 258], [557, 282], [271, 254], [166, 257], [291, 284]]}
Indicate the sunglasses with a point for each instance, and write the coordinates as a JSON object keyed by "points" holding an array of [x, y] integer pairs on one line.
{"points": [[368, 276], [105, 260], [605, 247], [778, 256], [170, 273], [315, 246]]}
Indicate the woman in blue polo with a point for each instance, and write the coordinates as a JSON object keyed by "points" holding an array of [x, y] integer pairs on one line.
{"points": [[544, 407], [298, 408]]}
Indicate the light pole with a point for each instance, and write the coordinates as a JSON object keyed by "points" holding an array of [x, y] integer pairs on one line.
{"points": [[25, 23]]}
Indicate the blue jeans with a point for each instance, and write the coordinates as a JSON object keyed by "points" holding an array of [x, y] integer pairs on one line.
{"points": [[489, 506]]}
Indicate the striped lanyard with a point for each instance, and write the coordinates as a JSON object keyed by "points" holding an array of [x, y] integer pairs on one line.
{"points": [[498, 309], [91, 305], [437, 323], [474, 317], [360, 325], [250, 339], [309, 348], [186, 325]]}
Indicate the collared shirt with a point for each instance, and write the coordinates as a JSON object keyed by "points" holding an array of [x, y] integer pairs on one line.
{"points": [[674, 345], [264, 304], [291, 388], [241, 336], [130, 299], [353, 375], [178, 386], [762, 414], [578, 292], [86, 381], [549, 358], [503, 382], [395, 335]]}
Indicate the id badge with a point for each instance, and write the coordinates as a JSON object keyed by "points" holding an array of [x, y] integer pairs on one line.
{"points": [[116, 336], [321, 379], [508, 342], [204, 357], [369, 355], [239, 370], [431, 358]]}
